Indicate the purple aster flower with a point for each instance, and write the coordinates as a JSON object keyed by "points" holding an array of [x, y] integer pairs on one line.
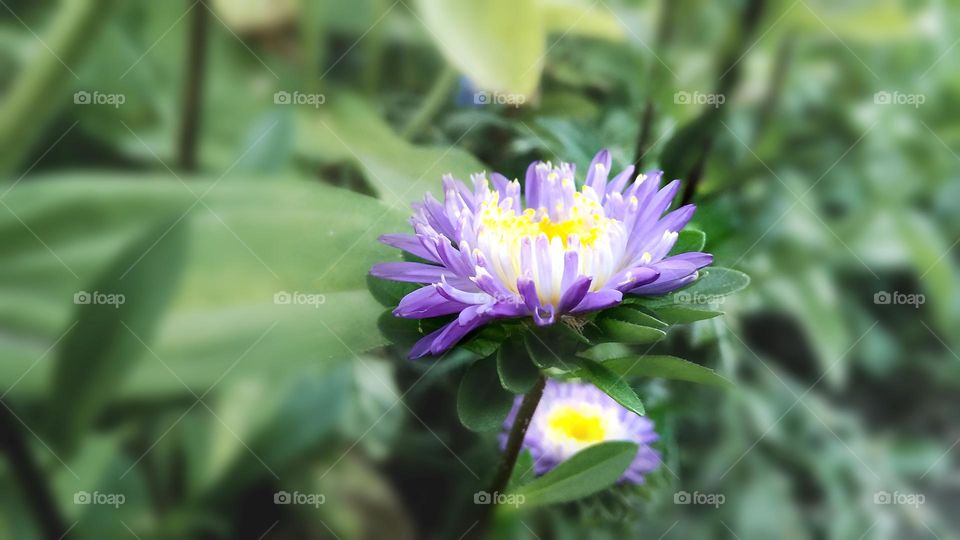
{"points": [[573, 416], [491, 253]]}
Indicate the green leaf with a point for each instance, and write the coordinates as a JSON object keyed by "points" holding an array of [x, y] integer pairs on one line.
{"points": [[606, 351], [689, 240], [625, 332], [499, 44], [350, 129], [400, 331], [666, 367], [389, 293], [223, 319], [927, 244], [612, 384], [543, 355], [634, 316], [592, 469], [517, 372], [482, 404], [683, 314], [487, 341], [582, 18], [116, 321], [716, 282]]}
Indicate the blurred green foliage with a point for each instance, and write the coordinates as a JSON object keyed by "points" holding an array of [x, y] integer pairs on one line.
{"points": [[204, 394]]}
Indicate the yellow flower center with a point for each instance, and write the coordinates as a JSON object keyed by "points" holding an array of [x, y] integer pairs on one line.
{"points": [[584, 219], [581, 426]]}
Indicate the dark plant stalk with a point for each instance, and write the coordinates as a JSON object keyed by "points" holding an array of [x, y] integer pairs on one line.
{"points": [[656, 75], [193, 89], [728, 80], [512, 450], [34, 485]]}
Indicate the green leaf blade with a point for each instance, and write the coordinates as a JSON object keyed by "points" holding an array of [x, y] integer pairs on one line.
{"points": [[592, 469], [482, 404], [517, 372], [612, 384], [666, 367]]}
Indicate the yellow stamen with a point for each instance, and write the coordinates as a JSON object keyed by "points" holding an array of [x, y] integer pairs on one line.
{"points": [[576, 424], [585, 220]]}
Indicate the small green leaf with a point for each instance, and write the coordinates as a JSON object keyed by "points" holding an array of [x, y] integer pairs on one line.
{"points": [[517, 372], [487, 341], [683, 314], [717, 282], [606, 351], [482, 403], [388, 293], [543, 355], [625, 332], [588, 471], [634, 316], [666, 367], [689, 240], [612, 384], [403, 332]]}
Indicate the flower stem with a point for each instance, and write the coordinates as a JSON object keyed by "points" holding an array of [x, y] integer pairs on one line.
{"points": [[514, 443], [37, 493], [193, 90]]}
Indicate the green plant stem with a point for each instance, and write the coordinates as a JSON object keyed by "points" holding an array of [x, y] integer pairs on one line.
{"points": [[39, 91], [432, 104], [36, 491], [749, 19], [193, 89], [512, 450]]}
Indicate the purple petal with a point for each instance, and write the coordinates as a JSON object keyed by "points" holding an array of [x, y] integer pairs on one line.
{"points": [[598, 300], [675, 272], [409, 243], [446, 337], [426, 302], [532, 186], [696, 258], [574, 294], [633, 277], [619, 181], [412, 272], [598, 172]]}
